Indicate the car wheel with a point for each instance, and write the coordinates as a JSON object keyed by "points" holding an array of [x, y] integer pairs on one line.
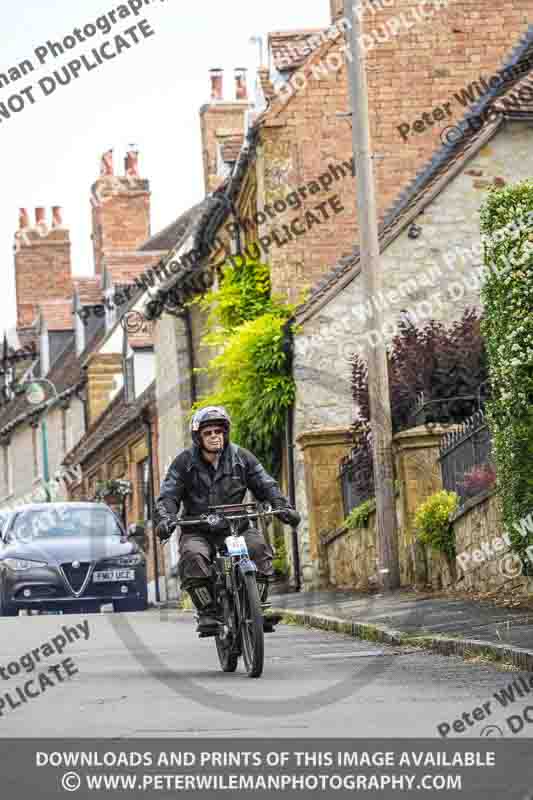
{"points": [[6, 609]]}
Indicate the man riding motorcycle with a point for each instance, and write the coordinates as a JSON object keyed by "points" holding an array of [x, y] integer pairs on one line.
{"points": [[215, 472]]}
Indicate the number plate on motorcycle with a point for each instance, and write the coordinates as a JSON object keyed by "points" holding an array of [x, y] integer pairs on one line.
{"points": [[236, 546]]}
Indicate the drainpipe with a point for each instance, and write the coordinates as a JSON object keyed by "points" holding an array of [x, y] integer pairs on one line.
{"points": [[190, 351], [289, 444], [151, 498]]}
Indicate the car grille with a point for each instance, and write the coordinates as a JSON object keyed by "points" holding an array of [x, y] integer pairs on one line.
{"points": [[76, 577]]}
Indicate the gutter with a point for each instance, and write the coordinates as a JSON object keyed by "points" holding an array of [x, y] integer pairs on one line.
{"points": [[289, 444]]}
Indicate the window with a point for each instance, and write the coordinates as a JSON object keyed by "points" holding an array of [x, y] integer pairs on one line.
{"points": [[7, 475]]}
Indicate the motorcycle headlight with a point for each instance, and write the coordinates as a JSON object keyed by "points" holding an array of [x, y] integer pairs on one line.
{"points": [[21, 564]]}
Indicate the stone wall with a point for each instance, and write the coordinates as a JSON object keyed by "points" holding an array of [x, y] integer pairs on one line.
{"points": [[477, 528]]}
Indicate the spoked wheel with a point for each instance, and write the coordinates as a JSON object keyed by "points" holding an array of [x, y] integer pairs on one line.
{"points": [[226, 655], [253, 642]]}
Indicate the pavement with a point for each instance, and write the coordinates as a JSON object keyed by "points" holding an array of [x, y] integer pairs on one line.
{"points": [[443, 625]]}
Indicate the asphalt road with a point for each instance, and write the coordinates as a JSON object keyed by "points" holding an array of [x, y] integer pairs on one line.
{"points": [[148, 675]]}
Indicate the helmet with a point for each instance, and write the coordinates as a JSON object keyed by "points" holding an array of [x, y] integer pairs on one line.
{"points": [[210, 415]]}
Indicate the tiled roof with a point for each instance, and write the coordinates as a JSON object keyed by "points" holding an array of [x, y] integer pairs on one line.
{"points": [[446, 162], [125, 267], [203, 217], [58, 314], [67, 375], [114, 419], [231, 147], [168, 238], [89, 290], [290, 48]]}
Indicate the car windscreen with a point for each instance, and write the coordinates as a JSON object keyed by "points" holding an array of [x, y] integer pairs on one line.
{"points": [[64, 522]]}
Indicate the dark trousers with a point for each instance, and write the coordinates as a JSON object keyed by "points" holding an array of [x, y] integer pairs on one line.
{"points": [[197, 553]]}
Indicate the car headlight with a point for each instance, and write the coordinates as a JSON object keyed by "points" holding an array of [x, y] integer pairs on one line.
{"points": [[127, 561], [21, 564]]}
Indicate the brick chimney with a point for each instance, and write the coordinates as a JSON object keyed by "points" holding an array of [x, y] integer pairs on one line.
{"points": [[241, 89], [42, 263], [336, 9], [217, 84], [120, 209], [219, 119]]}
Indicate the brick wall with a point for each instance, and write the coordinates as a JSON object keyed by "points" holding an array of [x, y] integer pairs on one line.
{"points": [[218, 121], [103, 371], [120, 215], [42, 269], [411, 73]]}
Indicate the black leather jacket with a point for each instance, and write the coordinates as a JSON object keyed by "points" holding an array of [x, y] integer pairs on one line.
{"points": [[195, 483]]}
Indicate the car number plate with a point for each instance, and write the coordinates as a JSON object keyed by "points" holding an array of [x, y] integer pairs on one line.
{"points": [[114, 575]]}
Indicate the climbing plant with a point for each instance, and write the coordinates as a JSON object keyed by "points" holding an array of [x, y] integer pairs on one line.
{"points": [[507, 230], [251, 371]]}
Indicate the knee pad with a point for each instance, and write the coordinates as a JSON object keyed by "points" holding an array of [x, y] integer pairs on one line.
{"points": [[262, 588], [200, 593]]}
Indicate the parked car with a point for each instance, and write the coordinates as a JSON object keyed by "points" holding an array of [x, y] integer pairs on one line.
{"points": [[72, 557]]}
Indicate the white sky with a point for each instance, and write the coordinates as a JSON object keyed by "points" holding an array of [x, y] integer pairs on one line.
{"points": [[149, 95]]}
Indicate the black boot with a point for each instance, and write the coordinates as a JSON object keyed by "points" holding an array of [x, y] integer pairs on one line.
{"points": [[270, 621], [202, 598]]}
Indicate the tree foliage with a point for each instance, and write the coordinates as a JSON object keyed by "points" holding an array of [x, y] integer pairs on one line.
{"points": [[507, 228], [437, 361], [251, 372]]}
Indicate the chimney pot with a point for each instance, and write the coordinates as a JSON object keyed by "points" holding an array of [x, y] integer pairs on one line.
{"points": [[24, 219], [57, 220], [106, 163], [132, 163], [217, 84], [241, 89], [40, 215]]}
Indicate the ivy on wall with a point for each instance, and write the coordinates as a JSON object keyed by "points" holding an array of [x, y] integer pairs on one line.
{"points": [[251, 370], [507, 229]]}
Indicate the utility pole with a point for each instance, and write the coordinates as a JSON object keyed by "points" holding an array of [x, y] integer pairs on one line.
{"points": [[378, 380]]}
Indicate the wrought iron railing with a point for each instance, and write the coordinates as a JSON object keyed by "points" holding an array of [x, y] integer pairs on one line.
{"points": [[356, 475], [466, 458]]}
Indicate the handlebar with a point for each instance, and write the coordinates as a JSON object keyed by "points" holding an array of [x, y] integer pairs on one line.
{"points": [[217, 514]]}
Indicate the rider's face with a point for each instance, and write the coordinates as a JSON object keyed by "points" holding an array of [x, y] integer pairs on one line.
{"points": [[212, 438]]}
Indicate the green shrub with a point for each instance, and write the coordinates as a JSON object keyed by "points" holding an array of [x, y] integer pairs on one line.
{"points": [[507, 228], [280, 562], [432, 522], [359, 516], [251, 372]]}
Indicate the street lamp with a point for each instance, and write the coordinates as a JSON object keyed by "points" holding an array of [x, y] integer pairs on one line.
{"points": [[35, 395]]}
